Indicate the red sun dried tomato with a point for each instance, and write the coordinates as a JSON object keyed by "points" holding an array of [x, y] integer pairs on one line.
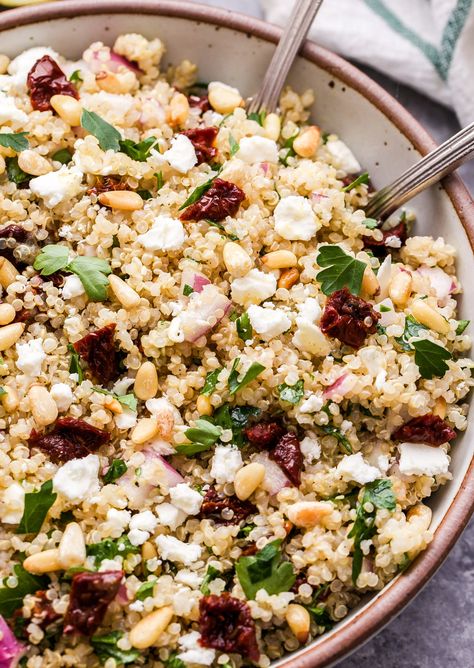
{"points": [[69, 439], [46, 79], [221, 200], [288, 456], [429, 429], [43, 610], [98, 350], [91, 594], [26, 315], [348, 318], [104, 184], [225, 623], [10, 237], [264, 435], [203, 142], [380, 248], [200, 102], [213, 506], [14, 232]]}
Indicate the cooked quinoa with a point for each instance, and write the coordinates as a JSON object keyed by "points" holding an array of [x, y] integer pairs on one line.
{"points": [[247, 445]]}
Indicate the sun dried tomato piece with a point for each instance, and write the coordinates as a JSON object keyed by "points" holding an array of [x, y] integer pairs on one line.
{"points": [[98, 350], [287, 454], [203, 142], [14, 232], [264, 435], [200, 102], [26, 315], [91, 594], [226, 624], [10, 237], [46, 79], [249, 550], [380, 248], [105, 184], [43, 610], [68, 439], [217, 508], [429, 429], [221, 200], [348, 318]]}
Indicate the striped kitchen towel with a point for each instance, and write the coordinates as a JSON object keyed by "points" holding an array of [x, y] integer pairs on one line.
{"points": [[427, 44]]}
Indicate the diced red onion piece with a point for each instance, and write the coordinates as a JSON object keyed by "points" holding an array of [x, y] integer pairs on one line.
{"points": [[11, 650], [112, 64], [205, 311], [336, 388], [440, 281]]}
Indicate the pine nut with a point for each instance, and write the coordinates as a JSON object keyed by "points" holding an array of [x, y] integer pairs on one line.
{"points": [[8, 272], [42, 405], [144, 430], [4, 63], [440, 407], [43, 562], [247, 479], [280, 259], [223, 98], [399, 289], [272, 126], [10, 334], [112, 404], [33, 163], [3, 164], [67, 108], [124, 293], [307, 142], [299, 621], [146, 381], [429, 317], [148, 551], [72, 547], [203, 405], [117, 82], [309, 513], [421, 515], [236, 259], [370, 284], [123, 200], [7, 314], [149, 629], [179, 109], [288, 278], [10, 400]]}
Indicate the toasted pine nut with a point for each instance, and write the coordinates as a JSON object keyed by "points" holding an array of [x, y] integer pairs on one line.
{"points": [[42, 405], [421, 515], [7, 314], [429, 317], [3, 164], [4, 63], [148, 551], [124, 293], [307, 142], [10, 334], [179, 109], [223, 98], [370, 284], [280, 259], [149, 629], [288, 278], [72, 547], [67, 108], [144, 430], [8, 272], [203, 405], [399, 289], [43, 562], [146, 381], [123, 200], [33, 163], [272, 126], [299, 621], [236, 259], [309, 513], [247, 479], [288, 526], [112, 404], [117, 82], [440, 407], [9, 399]]}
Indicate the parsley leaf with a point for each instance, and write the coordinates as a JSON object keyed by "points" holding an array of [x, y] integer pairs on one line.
{"points": [[15, 173], [11, 598], [145, 590], [362, 178], [93, 272], [105, 646], [252, 372], [115, 471], [128, 400], [110, 548], [318, 609], [258, 116], [462, 326], [108, 136], [338, 435], [187, 290], [75, 363], [265, 570], [229, 235], [52, 258], [37, 505], [412, 329], [174, 662], [75, 77], [290, 153], [234, 145], [16, 140], [137, 151], [371, 223], [199, 191], [244, 328], [63, 156], [211, 381], [235, 418], [202, 436], [341, 270], [431, 358], [160, 182], [211, 574], [292, 393]]}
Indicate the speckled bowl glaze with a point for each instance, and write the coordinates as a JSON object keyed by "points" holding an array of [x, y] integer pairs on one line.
{"points": [[386, 139]]}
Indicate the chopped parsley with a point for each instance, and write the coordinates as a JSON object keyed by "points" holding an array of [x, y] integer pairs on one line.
{"points": [[111, 548], [200, 191], [412, 329], [15, 173], [431, 358], [187, 290], [63, 156], [105, 646], [229, 235], [76, 77], [252, 372], [236, 419], [211, 574], [108, 136], [244, 327], [258, 116], [115, 471], [234, 145], [11, 598], [139, 151], [290, 152], [37, 505], [211, 381], [15, 140], [202, 436], [462, 326], [75, 363], [362, 178], [265, 570], [292, 393], [340, 270], [128, 400], [371, 223], [145, 590], [339, 436]]}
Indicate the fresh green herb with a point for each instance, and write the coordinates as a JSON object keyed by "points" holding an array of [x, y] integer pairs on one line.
{"points": [[292, 393], [75, 363], [187, 290], [245, 531], [431, 358], [229, 235], [108, 136], [75, 77], [160, 182], [235, 418], [128, 400], [380, 329], [2, 391], [145, 590], [290, 152], [145, 194], [115, 471], [37, 505], [93, 272], [318, 609], [384, 309], [406, 561], [244, 327], [338, 435], [258, 116], [139, 151], [71, 572], [252, 372], [362, 178], [211, 381], [51, 259], [202, 436], [11, 598], [341, 270], [211, 574], [371, 223], [412, 329], [234, 145], [200, 191], [63, 156], [265, 570], [462, 326], [15, 173], [16, 140], [105, 646], [110, 548], [174, 662]]}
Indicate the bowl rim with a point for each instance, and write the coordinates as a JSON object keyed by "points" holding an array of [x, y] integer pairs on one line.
{"points": [[383, 607]]}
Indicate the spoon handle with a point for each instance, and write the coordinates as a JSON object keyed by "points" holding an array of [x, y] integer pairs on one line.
{"points": [[290, 42], [432, 168]]}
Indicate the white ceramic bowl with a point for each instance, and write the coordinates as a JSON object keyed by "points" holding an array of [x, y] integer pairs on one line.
{"points": [[385, 138]]}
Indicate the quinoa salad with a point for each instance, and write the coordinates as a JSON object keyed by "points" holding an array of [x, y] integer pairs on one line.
{"points": [[226, 395]]}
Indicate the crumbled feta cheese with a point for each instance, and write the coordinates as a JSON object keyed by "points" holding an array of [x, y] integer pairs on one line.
{"points": [[138, 537], [9, 112], [13, 503], [295, 219], [310, 448], [193, 652], [110, 565], [166, 234], [181, 156], [78, 479], [393, 242], [30, 357], [126, 419], [118, 520], [310, 339], [169, 515], [62, 395], [421, 459], [121, 386], [257, 149], [57, 187], [226, 461], [72, 287], [268, 322], [173, 549], [137, 606], [186, 499], [22, 64], [353, 467], [373, 359], [312, 404], [342, 156], [309, 310], [253, 288], [145, 521], [188, 578]]}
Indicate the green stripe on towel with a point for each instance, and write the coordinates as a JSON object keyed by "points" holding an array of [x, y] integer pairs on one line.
{"points": [[451, 33]]}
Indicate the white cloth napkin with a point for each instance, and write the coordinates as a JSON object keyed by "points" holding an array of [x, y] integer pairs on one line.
{"points": [[427, 44]]}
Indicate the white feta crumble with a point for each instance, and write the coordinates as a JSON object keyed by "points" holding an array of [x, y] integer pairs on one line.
{"points": [[118, 521], [137, 606], [310, 339], [353, 467], [188, 578], [166, 234], [186, 499], [226, 461], [138, 537], [192, 652], [257, 149], [181, 156], [253, 288], [310, 448], [30, 357], [421, 459], [169, 515], [343, 157], [13, 503], [22, 64], [393, 242], [57, 187], [62, 395], [78, 479], [122, 384], [110, 565], [295, 219], [72, 287], [126, 419], [312, 404], [173, 549], [145, 521], [309, 310], [268, 322], [9, 112]]}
